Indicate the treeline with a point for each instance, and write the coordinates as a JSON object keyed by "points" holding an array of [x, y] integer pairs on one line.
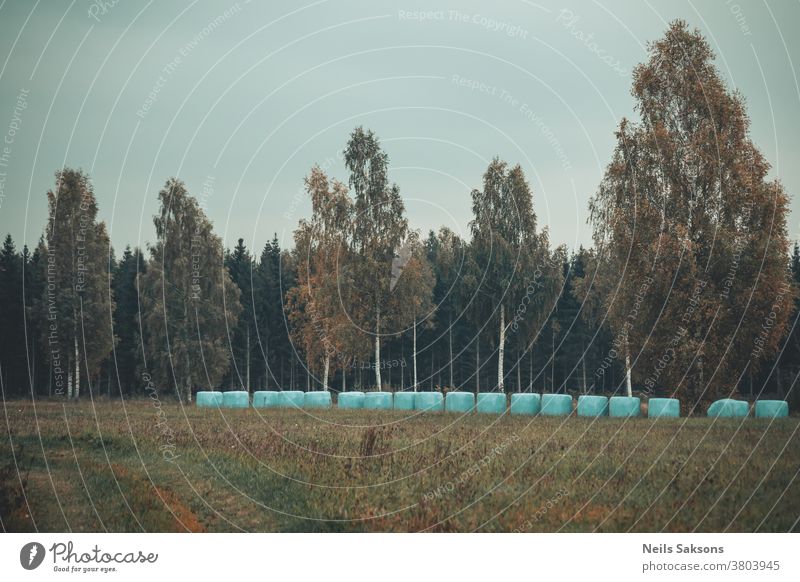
{"points": [[690, 288]]}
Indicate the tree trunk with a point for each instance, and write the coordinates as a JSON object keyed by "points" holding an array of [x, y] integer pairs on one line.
{"points": [[519, 372], [77, 392], [450, 334], [628, 386], [325, 375], [248, 358], [378, 349], [414, 353], [583, 362], [530, 368], [402, 365], [501, 348], [477, 364], [553, 358], [188, 394]]}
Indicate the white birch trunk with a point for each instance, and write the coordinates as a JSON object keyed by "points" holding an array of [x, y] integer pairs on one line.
{"points": [[325, 375], [378, 350], [414, 354], [450, 333], [628, 385], [77, 392], [501, 348]]}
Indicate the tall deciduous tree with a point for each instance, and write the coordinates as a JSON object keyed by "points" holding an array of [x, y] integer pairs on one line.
{"points": [[77, 302], [379, 229], [691, 232], [188, 298], [317, 303], [519, 271], [412, 292]]}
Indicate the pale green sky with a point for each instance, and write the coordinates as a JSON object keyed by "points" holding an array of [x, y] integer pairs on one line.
{"points": [[245, 97]]}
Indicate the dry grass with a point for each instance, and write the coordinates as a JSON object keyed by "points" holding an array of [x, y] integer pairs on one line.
{"points": [[101, 467]]}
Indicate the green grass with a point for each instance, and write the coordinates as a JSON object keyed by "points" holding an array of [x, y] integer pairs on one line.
{"points": [[101, 467]]}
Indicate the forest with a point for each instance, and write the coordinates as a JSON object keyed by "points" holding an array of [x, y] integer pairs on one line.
{"points": [[689, 289]]}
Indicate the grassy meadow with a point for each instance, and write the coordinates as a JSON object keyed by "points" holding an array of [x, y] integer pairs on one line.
{"points": [[111, 466]]}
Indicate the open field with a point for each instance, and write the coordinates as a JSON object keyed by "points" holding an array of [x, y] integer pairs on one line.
{"points": [[109, 466]]}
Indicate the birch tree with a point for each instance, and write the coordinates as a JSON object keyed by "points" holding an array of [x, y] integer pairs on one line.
{"points": [[515, 258], [379, 229], [691, 233], [316, 305], [77, 301]]}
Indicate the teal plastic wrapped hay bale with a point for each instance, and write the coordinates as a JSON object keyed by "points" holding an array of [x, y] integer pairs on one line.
{"points": [[429, 401], [556, 405], [624, 406], [459, 402], [208, 399], [491, 403], [526, 404], [235, 399], [291, 399], [772, 409], [317, 399], [592, 406], [351, 400], [378, 401], [663, 408], [266, 399], [728, 408], [404, 400]]}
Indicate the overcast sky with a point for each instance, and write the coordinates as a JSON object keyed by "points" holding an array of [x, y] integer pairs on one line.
{"points": [[240, 99]]}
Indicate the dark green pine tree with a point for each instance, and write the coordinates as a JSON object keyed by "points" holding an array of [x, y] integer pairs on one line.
{"points": [[273, 279], [12, 321], [126, 357], [240, 265], [39, 360]]}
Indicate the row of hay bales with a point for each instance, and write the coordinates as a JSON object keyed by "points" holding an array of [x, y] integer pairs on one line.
{"points": [[489, 403]]}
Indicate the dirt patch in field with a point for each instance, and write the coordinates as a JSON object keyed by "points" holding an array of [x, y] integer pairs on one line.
{"points": [[184, 518]]}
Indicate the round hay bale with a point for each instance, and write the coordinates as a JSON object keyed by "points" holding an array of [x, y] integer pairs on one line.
{"points": [[235, 399], [624, 406], [526, 404], [556, 405], [429, 401], [663, 408], [728, 408], [351, 400], [491, 403], [208, 399], [378, 401], [459, 402], [266, 399], [291, 399], [404, 400], [592, 406], [772, 409], [317, 399]]}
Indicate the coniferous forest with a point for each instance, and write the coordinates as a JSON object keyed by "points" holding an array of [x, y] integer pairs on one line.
{"points": [[690, 287]]}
